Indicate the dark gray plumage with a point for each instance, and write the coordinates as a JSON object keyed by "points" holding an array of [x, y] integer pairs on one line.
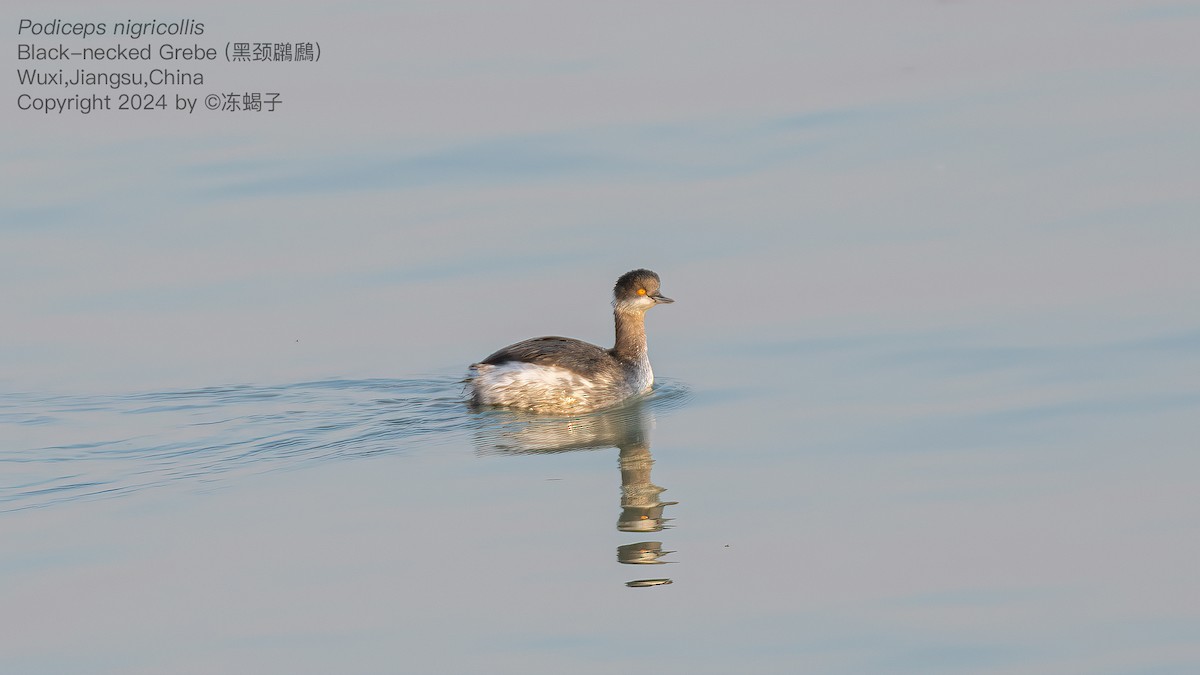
{"points": [[575, 355]]}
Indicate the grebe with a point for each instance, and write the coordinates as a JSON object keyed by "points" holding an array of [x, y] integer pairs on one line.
{"points": [[563, 375]]}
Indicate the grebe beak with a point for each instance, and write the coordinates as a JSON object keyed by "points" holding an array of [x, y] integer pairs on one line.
{"points": [[660, 299]]}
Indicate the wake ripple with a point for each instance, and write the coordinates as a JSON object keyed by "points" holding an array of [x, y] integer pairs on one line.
{"points": [[71, 448]]}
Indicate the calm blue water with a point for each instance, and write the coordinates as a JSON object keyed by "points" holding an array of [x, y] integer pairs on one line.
{"points": [[927, 399]]}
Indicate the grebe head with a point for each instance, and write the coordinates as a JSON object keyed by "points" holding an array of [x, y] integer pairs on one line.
{"points": [[638, 291]]}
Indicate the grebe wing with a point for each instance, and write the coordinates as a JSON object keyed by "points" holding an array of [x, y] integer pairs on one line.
{"points": [[569, 353]]}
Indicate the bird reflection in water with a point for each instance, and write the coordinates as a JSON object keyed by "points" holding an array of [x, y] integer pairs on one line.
{"points": [[626, 428]]}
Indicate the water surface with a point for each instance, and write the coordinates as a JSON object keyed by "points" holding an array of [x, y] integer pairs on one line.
{"points": [[927, 400]]}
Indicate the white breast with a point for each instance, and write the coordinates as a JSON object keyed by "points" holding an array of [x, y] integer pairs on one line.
{"points": [[643, 378]]}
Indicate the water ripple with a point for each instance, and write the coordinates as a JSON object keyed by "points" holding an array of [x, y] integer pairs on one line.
{"points": [[70, 448]]}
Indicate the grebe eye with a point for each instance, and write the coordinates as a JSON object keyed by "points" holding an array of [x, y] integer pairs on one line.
{"points": [[641, 291]]}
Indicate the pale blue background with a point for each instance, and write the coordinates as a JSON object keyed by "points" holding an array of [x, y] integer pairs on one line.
{"points": [[935, 348]]}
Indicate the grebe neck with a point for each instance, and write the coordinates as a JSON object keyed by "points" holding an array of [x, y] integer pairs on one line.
{"points": [[631, 335]]}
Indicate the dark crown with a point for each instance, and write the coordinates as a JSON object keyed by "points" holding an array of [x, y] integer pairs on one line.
{"points": [[629, 283]]}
